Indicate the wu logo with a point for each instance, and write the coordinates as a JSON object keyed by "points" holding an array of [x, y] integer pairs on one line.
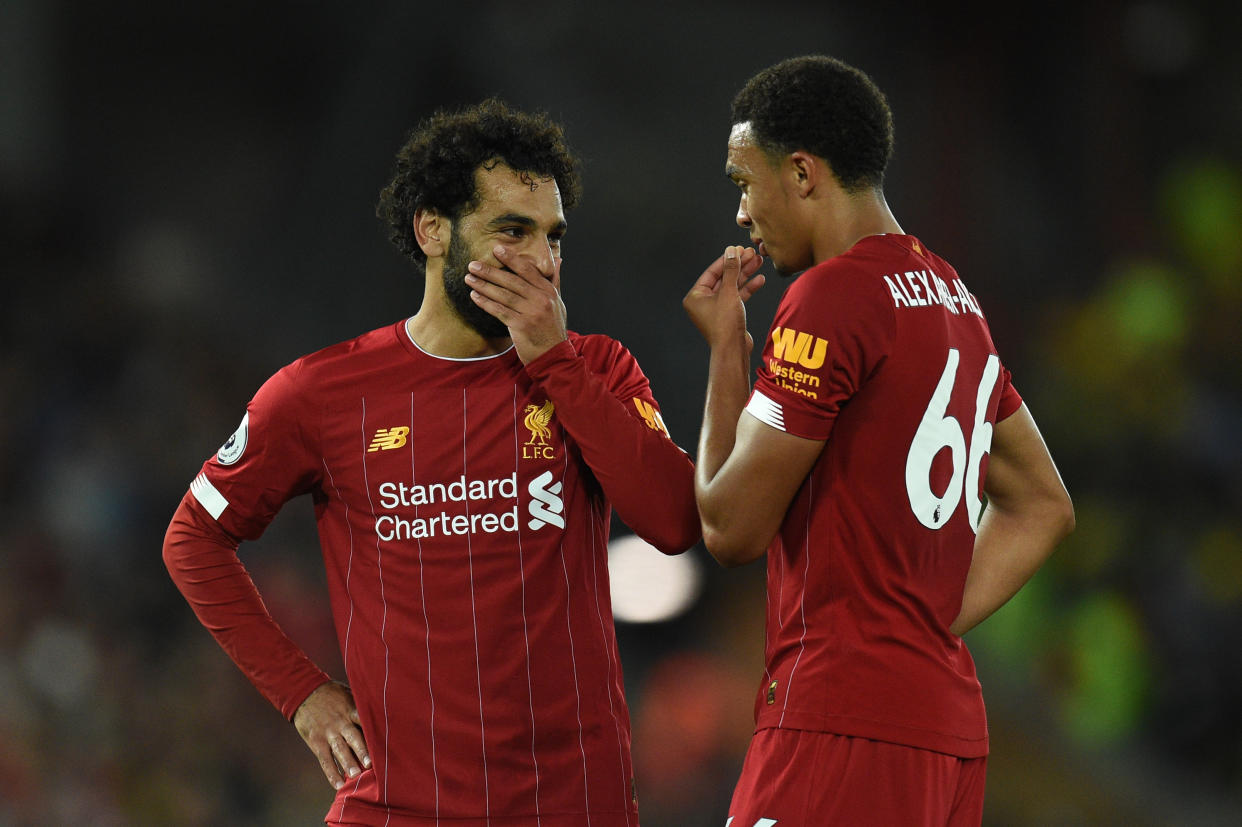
{"points": [[795, 347], [388, 438], [537, 421], [546, 505], [650, 415]]}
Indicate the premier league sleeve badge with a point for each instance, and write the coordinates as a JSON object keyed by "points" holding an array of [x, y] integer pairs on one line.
{"points": [[232, 450]]}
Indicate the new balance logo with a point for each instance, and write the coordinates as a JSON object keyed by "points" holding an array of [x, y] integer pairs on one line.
{"points": [[652, 417], [546, 505], [388, 438]]}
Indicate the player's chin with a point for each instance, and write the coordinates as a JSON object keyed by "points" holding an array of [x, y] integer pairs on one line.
{"points": [[784, 269]]}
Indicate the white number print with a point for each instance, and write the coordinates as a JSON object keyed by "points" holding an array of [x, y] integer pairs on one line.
{"points": [[763, 822], [938, 431]]}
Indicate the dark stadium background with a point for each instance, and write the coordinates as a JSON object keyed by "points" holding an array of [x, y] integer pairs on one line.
{"points": [[187, 196]]}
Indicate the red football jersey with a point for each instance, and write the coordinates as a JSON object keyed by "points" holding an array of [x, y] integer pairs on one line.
{"points": [[463, 508], [884, 353]]}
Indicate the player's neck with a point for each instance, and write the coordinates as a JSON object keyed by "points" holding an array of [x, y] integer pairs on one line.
{"points": [[852, 218], [437, 329]]}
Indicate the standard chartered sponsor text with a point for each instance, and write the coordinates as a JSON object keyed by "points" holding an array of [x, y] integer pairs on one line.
{"points": [[416, 523]]}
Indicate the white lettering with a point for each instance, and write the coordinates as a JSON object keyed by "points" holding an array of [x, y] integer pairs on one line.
{"points": [[968, 301], [394, 496], [914, 290], [389, 527], [931, 296], [385, 520], [942, 290], [898, 297], [388, 495], [923, 288], [508, 487]]}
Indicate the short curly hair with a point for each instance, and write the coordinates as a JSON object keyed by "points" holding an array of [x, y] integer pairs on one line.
{"points": [[436, 166], [824, 106]]}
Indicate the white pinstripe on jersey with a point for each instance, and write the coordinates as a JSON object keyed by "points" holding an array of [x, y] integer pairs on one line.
{"points": [[478, 670], [530, 692], [625, 782], [349, 571], [422, 596], [806, 551], [379, 566], [586, 786]]}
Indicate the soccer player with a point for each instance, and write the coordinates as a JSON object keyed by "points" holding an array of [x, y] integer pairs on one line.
{"points": [[880, 417], [464, 463]]}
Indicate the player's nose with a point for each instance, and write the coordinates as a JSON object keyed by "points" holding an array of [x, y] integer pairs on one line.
{"points": [[743, 215], [544, 256]]}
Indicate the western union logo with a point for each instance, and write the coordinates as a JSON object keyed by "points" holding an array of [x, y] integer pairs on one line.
{"points": [[388, 438], [652, 417], [796, 347]]}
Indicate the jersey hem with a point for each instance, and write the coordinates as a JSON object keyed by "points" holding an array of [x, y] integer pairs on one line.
{"points": [[907, 736], [392, 818]]}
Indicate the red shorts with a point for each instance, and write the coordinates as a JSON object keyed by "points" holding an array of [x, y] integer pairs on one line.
{"points": [[793, 778]]}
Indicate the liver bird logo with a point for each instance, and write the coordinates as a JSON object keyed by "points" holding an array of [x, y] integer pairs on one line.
{"points": [[537, 419]]}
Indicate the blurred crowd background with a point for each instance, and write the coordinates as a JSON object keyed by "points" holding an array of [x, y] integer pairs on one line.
{"points": [[187, 202]]}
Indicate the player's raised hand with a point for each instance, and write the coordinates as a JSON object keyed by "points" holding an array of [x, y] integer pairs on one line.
{"points": [[715, 302], [328, 722], [525, 295]]}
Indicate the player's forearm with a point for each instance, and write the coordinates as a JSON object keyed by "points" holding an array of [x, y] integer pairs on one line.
{"points": [[651, 486], [207, 571], [728, 385], [644, 475], [1010, 547]]}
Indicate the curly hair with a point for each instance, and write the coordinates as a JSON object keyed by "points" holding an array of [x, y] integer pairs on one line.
{"points": [[436, 166], [824, 106]]}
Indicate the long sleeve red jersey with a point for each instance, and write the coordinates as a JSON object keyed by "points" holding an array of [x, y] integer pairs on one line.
{"points": [[463, 509]]}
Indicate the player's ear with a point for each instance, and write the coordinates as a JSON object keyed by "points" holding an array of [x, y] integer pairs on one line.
{"points": [[432, 232], [806, 172]]}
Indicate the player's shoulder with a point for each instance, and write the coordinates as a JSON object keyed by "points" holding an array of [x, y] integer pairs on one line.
{"points": [[594, 344], [856, 274], [875, 256], [601, 352], [336, 359]]}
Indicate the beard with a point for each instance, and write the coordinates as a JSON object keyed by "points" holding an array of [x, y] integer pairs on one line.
{"points": [[458, 292]]}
